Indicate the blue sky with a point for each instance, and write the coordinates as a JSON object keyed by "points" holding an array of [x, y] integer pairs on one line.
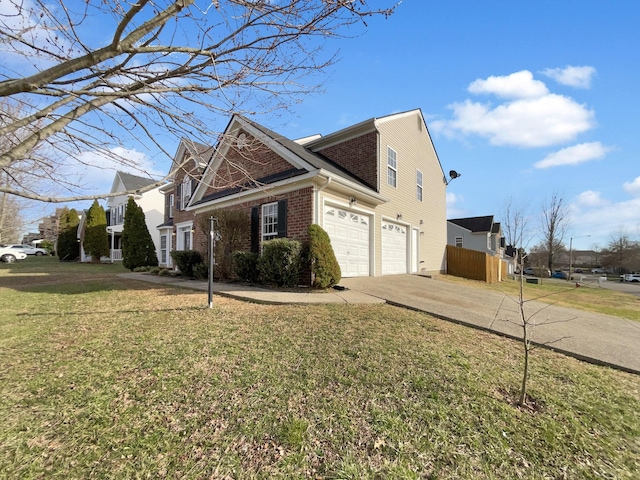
{"points": [[524, 99]]}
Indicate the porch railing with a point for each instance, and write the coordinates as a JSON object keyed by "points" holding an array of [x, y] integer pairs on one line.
{"points": [[116, 255]]}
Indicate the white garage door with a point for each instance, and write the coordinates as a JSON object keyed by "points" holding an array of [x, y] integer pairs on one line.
{"points": [[394, 248], [349, 234]]}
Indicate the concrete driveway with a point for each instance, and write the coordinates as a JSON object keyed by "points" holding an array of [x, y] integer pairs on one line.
{"points": [[601, 339]]}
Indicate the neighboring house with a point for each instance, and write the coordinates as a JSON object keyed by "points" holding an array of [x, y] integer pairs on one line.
{"points": [[476, 233], [376, 187], [151, 202], [481, 234], [176, 232]]}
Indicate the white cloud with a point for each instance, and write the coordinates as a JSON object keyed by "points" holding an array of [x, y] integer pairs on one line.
{"points": [[517, 85], [537, 122], [529, 117], [95, 170], [452, 198], [579, 77], [592, 198], [574, 155], [632, 188], [601, 221]]}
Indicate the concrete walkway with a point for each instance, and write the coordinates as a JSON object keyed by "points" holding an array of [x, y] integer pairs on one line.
{"points": [[259, 295], [600, 339]]}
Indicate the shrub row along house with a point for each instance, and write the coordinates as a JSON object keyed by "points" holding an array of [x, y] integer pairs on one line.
{"points": [[376, 187]]}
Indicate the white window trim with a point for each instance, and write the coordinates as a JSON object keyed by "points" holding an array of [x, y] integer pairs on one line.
{"points": [[461, 242], [181, 229], [264, 236], [393, 168], [172, 202], [419, 189], [186, 192]]}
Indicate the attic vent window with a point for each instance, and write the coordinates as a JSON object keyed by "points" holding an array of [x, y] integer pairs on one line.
{"points": [[242, 141]]}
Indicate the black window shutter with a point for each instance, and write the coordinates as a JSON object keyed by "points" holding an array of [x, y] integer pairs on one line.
{"points": [[282, 218], [178, 196], [255, 229]]}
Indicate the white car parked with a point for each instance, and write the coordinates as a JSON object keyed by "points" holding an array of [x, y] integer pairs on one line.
{"points": [[10, 255], [632, 277], [29, 250]]}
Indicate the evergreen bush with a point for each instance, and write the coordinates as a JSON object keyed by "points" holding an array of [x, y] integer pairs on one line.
{"points": [[201, 271], [96, 240], [322, 261], [281, 262], [246, 266], [67, 246], [138, 249], [185, 260]]}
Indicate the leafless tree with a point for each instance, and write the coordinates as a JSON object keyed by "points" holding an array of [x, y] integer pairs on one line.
{"points": [[622, 253], [515, 225], [164, 70], [555, 222]]}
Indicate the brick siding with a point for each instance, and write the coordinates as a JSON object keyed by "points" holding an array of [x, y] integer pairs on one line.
{"points": [[359, 156]]}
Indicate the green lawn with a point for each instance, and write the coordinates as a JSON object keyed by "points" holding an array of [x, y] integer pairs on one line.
{"points": [[102, 377]]}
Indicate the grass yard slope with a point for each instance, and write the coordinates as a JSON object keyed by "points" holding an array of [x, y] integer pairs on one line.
{"points": [[102, 377]]}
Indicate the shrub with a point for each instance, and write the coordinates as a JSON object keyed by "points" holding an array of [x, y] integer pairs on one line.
{"points": [[246, 266], [67, 245], [138, 249], [154, 270], [322, 261], [163, 272], [96, 239], [185, 260], [281, 262], [201, 270]]}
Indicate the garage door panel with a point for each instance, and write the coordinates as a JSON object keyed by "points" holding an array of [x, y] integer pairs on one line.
{"points": [[394, 248], [349, 234]]}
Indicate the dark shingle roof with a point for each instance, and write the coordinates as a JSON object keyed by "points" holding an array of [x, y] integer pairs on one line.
{"points": [[134, 182], [475, 224]]}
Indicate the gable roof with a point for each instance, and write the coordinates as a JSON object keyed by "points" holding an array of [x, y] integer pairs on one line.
{"points": [[304, 164], [134, 182], [316, 160], [475, 224]]}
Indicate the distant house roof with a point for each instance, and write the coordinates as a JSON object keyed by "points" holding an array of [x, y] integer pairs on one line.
{"points": [[134, 182], [476, 224]]}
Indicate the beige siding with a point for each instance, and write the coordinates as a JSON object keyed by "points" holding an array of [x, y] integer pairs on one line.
{"points": [[414, 152]]}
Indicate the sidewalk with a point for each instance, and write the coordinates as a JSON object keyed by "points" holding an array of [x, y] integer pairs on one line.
{"points": [[259, 295]]}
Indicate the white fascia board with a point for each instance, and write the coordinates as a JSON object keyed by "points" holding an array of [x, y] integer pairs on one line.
{"points": [[395, 116], [356, 188]]}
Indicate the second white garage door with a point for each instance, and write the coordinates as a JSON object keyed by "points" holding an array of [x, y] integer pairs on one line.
{"points": [[349, 234], [394, 248]]}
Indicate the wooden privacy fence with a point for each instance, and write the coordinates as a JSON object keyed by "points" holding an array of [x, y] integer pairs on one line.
{"points": [[475, 265]]}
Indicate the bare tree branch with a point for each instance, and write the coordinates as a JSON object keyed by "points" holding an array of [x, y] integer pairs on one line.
{"points": [[166, 70]]}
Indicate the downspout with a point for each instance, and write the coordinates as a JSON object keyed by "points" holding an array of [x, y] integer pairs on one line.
{"points": [[316, 201]]}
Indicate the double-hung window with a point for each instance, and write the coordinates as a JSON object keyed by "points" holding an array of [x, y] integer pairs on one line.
{"points": [[172, 201], [186, 192], [419, 185], [163, 248], [392, 167], [269, 221], [459, 242]]}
